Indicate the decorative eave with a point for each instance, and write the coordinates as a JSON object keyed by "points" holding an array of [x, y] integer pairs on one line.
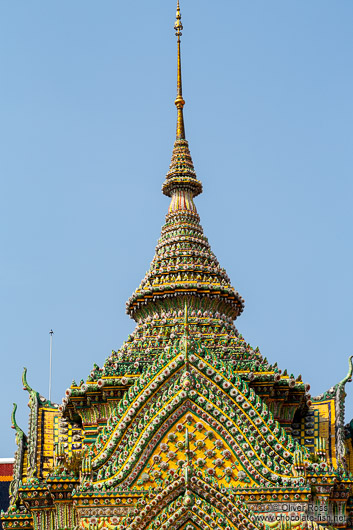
{"points": [[22, 520], [61, 487], [35, 495], [102, 390]]}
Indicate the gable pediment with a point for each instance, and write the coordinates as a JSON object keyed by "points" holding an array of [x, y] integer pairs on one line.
{"points": [[219, 400]]}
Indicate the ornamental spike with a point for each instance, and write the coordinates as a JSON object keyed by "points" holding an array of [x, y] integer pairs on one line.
{"points": [[181, 182], [13, 416], [182, 238], [179, 102], [24, 381]]}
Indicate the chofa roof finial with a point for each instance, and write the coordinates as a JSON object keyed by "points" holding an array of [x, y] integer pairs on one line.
{"points": [[24, 381]]}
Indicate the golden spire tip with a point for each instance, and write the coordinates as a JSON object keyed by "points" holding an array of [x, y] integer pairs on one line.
{"points": [[178, 26], [179, 102]]}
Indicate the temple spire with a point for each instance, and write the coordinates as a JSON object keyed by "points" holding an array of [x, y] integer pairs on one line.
{"points": [[184, 269], [179, 102], [181, 182]]}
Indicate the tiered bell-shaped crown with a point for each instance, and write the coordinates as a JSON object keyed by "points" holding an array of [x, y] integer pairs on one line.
{"points": [[184, 268]]}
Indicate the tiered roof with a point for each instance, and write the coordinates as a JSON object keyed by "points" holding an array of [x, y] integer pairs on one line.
{"points": [[186, 426], [184, 269]]}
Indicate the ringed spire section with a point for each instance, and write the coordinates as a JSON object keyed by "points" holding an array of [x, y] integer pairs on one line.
{"points": [[181, 176], [184, 268]]}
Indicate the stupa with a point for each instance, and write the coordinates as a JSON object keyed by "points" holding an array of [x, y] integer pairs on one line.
{"points": [[186, 427]]}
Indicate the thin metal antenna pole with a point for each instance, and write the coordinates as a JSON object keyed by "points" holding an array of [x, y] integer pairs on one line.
{"points": [[51, 332]]}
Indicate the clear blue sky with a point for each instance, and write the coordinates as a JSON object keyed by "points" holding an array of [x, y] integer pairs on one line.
{"points": [[87, 128]]}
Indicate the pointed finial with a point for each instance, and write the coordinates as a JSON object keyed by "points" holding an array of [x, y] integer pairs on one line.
{"points": [[24, 381], [179, 102], [13, 416], [178, 26], [19, 432]]}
